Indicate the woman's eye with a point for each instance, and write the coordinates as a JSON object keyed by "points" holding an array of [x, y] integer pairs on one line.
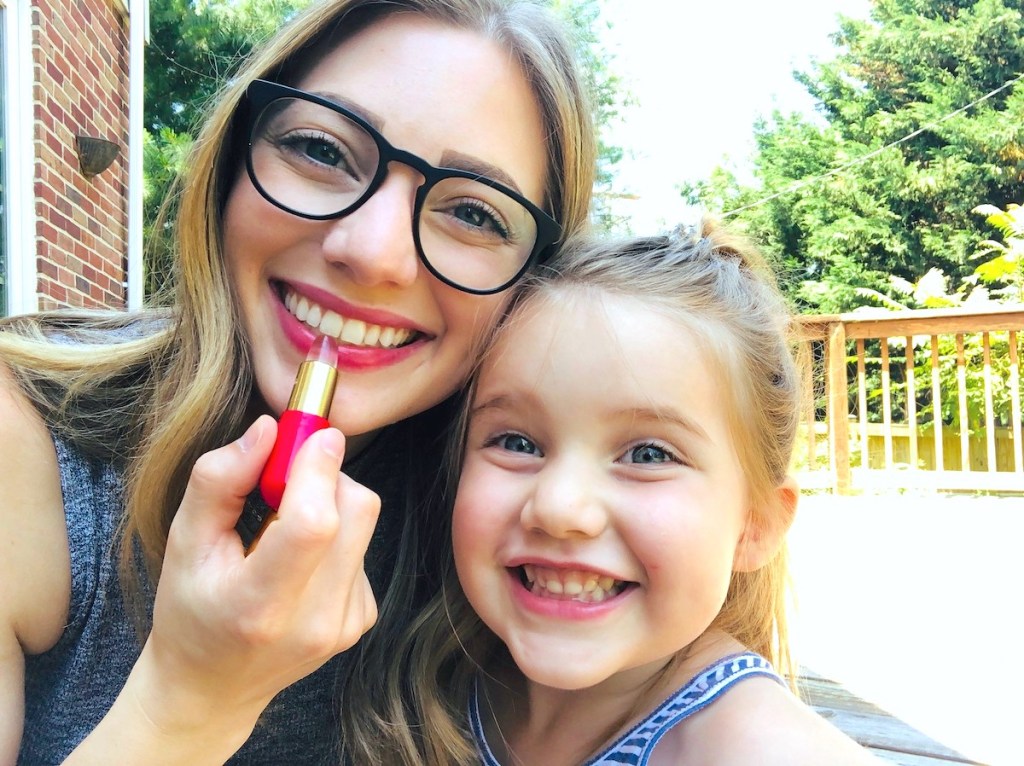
{"points": [[323, 152], [649, 454], [476, 215], [317, 149]]}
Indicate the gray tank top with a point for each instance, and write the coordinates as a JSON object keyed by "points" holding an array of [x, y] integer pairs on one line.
{"points": [[69, 688]]}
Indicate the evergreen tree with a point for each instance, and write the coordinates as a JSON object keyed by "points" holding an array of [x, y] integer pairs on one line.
{"points": [[923, 118]]}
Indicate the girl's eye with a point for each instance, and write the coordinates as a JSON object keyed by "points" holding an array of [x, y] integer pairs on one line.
{"points": [[648, 454], [514, 443]]}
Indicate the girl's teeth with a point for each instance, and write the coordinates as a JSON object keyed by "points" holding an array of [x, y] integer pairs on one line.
{"points": [[570, 585]]}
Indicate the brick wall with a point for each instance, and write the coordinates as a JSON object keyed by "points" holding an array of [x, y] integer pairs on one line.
{"points": [[80, 57]]}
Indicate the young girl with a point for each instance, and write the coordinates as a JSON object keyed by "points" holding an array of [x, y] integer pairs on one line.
{"points": [[380, 171], [619, 524]]}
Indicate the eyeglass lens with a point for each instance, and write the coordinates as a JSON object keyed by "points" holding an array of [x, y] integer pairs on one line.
{"points": [[318, 163]]}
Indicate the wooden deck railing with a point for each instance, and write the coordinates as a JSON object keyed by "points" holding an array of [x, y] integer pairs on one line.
{"points": [[909, 399]]}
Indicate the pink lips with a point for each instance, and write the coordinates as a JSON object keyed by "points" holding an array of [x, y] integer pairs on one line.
{"points": [[351, 358], [558, 608]]}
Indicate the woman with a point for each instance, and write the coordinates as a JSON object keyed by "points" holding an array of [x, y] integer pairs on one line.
{"points": [[380, 172]]}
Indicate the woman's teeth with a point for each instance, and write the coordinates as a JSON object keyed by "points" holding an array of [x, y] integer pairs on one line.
{"points": [[354, 332], [570, 585]]}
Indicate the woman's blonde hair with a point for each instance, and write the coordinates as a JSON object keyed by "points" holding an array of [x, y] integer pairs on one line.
{"points": [[719, 288]]}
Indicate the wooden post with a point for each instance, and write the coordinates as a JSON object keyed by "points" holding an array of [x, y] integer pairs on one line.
{"points": [[862, 408], [961, 387], [886, 403], [990, 420], [911, 402], [1018, 452], [940, 460], [838, 408]]}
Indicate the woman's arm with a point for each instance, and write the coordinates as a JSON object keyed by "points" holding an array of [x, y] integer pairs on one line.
{"points": [[35, 572], [229, 631]]}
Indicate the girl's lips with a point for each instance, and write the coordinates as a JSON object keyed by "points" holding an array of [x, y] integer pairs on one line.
{"points": [[567, 582], [542, 602]]}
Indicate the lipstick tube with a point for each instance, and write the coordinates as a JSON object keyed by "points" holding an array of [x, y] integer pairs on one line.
{"points": [[307, 411]]}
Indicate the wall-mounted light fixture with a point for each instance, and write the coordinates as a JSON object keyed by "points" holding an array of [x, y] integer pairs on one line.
{"points": [[95, 154]]}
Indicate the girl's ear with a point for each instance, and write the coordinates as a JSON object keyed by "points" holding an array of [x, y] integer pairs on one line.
{"points": [[762, 537]]}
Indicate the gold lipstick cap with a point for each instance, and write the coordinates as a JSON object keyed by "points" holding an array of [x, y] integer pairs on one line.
{"points": [[316, 379]]}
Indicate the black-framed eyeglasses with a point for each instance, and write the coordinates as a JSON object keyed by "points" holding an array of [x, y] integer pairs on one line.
{"points": [[318, 160]]}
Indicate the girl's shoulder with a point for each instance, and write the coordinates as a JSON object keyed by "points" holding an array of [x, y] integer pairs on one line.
{"points": [[761, 721]]}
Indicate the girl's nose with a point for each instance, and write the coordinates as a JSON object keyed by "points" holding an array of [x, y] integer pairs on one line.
{"points": [[565, 504], [374, 243]]}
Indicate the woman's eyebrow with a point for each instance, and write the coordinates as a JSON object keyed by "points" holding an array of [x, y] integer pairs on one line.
{"points": [[374, 119], [459, 161], [450, 159]]}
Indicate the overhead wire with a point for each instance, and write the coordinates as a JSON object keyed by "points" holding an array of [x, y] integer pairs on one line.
{"points": [[797, 185]]}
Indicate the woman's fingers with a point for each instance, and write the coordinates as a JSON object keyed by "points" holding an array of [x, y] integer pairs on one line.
{"points": [[317, 544], [220, 481], [251, 625], [296, 542]]}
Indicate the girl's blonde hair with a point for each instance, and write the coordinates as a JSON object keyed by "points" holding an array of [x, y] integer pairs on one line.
{"points": [[718, 287], [156, 389]]}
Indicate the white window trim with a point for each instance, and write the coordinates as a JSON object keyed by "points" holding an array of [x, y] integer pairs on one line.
{"points": [[138, 37], [19, 159]]}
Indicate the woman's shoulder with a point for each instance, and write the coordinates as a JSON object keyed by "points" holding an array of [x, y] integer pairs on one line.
{"points": [[34, 570], [761, 721]]}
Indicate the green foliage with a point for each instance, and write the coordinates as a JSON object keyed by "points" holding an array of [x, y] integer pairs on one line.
{"points": [[163, 157], [884, 184], [194, 48], [1006, 267], [607, 95]]}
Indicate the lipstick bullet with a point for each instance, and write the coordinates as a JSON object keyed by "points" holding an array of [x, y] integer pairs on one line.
{"points": [[307, 411]]}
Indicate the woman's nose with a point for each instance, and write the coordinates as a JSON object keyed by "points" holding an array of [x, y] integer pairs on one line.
{"points": [[565, 503], [374, 243]]}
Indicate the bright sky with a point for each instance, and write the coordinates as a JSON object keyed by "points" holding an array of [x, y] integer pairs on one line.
{"points": [[702, 71]]}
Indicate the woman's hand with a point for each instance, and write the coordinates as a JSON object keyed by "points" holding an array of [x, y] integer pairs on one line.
{"points": [[230, 630]]}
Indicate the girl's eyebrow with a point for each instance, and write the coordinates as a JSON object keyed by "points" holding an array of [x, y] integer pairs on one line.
{"points": [[670, 416], [494, 403]]}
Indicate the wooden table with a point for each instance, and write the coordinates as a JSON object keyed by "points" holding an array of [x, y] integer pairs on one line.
{"points": [[886, 736]]}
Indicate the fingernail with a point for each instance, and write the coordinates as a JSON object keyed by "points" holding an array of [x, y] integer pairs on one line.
{"points": [[248, 440], [332, 442]]}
